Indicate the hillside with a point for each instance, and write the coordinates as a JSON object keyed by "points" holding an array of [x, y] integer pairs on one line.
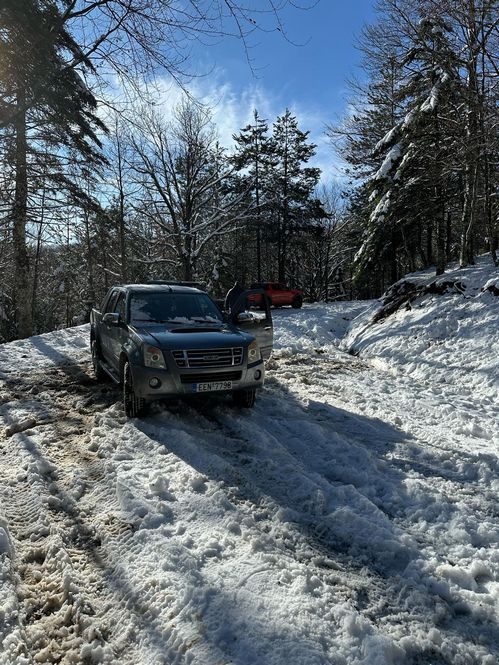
{"points": [[450, 338]]}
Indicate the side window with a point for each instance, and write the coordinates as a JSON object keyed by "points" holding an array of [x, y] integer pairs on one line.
{"points": [[120, 306], [111, 302]]}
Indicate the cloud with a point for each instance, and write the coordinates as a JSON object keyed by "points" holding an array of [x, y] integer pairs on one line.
{"points": [[232, 109]]}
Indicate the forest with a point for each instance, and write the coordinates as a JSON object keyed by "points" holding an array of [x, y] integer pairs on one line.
{"points": [[98, 188]]}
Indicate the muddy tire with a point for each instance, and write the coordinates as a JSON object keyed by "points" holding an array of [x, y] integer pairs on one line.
{"points": [[99, 373], [297, 302], [133, 406], [244, 399]]}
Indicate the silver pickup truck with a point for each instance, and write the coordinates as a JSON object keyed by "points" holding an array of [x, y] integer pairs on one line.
{"points": [[161, 341]]}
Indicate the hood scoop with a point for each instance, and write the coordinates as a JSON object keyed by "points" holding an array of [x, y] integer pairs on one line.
{"points": [[195, 329]]}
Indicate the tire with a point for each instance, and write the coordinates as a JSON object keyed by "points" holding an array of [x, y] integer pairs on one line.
{"points": [[99, 373], [297, 302], [244, 399], [133, 406]]}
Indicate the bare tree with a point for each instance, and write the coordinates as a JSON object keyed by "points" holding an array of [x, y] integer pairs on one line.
{"points": [[183, 173]]}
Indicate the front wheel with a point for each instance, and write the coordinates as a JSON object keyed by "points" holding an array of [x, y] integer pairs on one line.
{"points": [[133, 406], [297, 302], [244, 399]]}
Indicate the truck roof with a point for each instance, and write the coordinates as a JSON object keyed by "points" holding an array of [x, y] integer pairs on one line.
{"points": [[166, 288]]}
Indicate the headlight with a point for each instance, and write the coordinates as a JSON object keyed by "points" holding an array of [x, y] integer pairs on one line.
{"points": [[253, 352], [153, 357]]}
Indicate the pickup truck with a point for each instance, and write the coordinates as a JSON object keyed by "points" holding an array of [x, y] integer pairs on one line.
{"points": [[277, 294], [161, 341]]}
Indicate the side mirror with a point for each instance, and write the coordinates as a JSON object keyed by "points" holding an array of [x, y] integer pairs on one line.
{"points": [[111, 319]]}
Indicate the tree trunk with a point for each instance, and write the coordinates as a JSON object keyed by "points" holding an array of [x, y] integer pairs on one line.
{"points": [[441, 233], [121, 221], [441, 255], [429, 243], [448, 237], [35, 269], [258, 222], [466, 254], [22, 289]]}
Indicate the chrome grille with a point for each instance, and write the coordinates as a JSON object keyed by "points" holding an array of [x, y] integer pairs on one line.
{"points": [[228, 357]]}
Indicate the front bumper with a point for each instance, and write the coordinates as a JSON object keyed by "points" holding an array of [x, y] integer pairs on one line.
{"points": [[178, 382]]}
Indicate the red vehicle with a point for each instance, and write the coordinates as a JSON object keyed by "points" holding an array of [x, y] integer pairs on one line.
{"points": [[278, 294]]}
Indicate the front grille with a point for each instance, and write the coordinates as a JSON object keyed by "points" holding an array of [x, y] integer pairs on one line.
{"points": [[209, 357], [203, 378]]}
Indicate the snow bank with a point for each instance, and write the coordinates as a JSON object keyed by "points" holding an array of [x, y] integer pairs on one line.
{"points": [[56, 349], [444, 339], [316, 328]]}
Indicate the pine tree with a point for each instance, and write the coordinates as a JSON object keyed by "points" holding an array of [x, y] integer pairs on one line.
{"points": [[41, 100], [292, 185], [253, 160]]}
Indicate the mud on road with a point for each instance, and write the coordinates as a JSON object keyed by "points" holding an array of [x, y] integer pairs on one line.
{"points": [[59, 567]]}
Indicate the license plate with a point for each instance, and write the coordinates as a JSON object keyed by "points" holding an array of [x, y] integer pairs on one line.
{"points": [[211, 386]]}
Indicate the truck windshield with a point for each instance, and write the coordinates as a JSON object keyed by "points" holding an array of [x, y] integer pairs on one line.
{"points": [[173, 308]]}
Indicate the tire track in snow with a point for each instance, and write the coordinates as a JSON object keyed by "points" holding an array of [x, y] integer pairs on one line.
{"points": [[459, 483], [375, 597], [59, 564]]}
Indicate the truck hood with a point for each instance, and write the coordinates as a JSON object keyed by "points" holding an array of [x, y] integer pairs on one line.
{"points": [[195, 337]]}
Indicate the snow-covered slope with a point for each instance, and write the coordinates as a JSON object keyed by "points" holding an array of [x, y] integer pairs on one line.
{"points": [[349, 519], [451, 338]]}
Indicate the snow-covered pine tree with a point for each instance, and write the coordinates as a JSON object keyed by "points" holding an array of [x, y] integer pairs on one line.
{"points": [[409, 190], [375, 108]]}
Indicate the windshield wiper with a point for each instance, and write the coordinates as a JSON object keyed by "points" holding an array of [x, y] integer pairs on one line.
{"points": [[154, 321], [183, 322]]}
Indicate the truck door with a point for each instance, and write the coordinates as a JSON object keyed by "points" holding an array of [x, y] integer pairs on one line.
{"points": [[259, 324], [104, 328], [117, 334]]}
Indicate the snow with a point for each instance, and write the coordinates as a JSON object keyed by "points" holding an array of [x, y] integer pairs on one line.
{"points": [[450, 339], [430, 103], [392, 157], [409, 119], [382, 208], [349, 518], [387, 139]]}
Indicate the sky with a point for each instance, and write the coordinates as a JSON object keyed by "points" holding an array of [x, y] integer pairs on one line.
{"points": [[305, 71]]}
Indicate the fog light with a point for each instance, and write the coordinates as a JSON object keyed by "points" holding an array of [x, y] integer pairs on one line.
{"points": [[154, 382], [258, 375]]}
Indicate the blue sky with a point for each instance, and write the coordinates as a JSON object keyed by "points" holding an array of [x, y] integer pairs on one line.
{"points": [[309, 78]]}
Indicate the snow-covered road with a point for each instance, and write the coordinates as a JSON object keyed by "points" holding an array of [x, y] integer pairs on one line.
{"points": [[350, 518]]}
